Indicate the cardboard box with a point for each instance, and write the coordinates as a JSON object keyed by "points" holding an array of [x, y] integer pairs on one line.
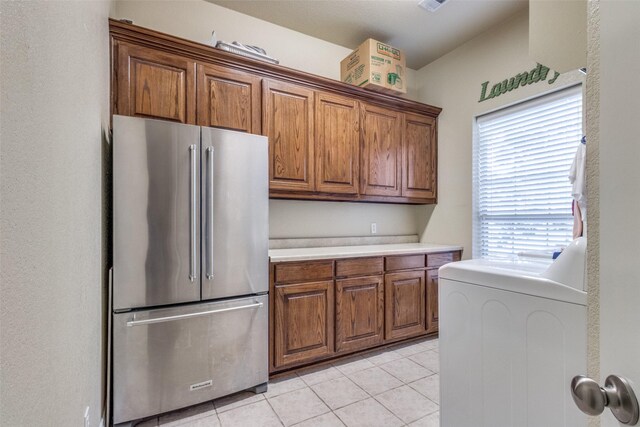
{"points": [[377, 66]]}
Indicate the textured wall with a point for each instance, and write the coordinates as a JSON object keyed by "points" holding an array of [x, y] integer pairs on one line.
{"points": [[194, 20], [54, 104], [453, 82], [592, 111]]}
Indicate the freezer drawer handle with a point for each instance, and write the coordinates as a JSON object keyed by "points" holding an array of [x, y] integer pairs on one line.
{"points": [[209, 213], [192, 217], [187, 316]]}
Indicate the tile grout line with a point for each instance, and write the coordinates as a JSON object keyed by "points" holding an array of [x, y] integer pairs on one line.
{"points": [[325, 403], [402, 381], [422, 394], [406, 384], [351, 381], [273, 409]]}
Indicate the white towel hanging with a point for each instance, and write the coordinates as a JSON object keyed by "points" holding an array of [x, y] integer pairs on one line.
{"points": [[577, 177]]}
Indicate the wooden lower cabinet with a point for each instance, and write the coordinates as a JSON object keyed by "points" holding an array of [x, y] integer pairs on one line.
{"points": [[432, 300], [304, 322], [321, 309], [359, 313], [404, 301]]}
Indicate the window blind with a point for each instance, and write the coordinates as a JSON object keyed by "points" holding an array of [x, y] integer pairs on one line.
{"points": [[522, 156]]}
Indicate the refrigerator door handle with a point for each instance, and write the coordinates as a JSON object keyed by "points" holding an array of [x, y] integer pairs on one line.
{"points": [[209, 239], [190, 315], [192, 217]]}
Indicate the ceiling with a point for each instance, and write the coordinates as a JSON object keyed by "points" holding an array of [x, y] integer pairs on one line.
{"points": [[423, 35]]}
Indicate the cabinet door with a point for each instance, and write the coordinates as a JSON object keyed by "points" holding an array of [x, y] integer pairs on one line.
{"points": [[432, 300], [155, 85], [404, 299], [359, 313], [287, 118], [381, 151], [303, 322], [337, 144], [419, 157], [228, 99]]}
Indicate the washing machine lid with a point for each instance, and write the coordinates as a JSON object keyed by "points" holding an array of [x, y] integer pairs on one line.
{"points": [[514, 276]]}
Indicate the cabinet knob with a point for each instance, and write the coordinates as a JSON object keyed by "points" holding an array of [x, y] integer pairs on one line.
{"points": [[616, 394]]}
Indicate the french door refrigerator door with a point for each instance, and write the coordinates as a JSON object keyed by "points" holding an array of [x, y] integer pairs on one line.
{"points": [[156, 212], [235, 214], [169, 358]]}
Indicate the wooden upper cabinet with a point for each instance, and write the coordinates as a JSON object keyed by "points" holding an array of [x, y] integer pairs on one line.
{"points": [[304, 328], [152, 84], [337, 144], [287, 119], [328, 140], [404, 301], [228, 99], [419, 161], [381, 151], [359, 313], [432, 300]]}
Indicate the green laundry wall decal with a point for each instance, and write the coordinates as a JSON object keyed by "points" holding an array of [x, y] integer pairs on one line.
{"points": [[536, 75]]}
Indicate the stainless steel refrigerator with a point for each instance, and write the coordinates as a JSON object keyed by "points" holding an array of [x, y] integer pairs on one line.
{"points": [[190, 266]]}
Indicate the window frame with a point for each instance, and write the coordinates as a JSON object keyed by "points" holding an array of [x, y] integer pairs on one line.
{"points": [[520, 105]]}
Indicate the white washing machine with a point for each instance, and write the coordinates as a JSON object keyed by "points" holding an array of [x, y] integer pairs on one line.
{"points": [[512, 336]]}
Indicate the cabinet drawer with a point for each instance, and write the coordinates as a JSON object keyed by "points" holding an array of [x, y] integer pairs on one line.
{"points": [[359, 267], [404, 262], [438, 260], [303, 271]]}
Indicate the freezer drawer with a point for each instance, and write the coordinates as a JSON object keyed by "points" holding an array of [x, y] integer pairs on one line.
{"points": [[169, 358]]}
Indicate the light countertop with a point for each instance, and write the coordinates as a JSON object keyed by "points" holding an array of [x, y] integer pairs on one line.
{"points": [[329, 252]]}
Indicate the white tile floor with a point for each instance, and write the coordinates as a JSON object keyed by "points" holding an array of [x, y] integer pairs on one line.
{"points": [[393, 387]]}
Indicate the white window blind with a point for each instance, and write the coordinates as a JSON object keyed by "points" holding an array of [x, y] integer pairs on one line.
{"points": [[522, 156]]}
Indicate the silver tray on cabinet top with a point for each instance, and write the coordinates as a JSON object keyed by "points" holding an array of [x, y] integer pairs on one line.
{"points": [[239, 51]]}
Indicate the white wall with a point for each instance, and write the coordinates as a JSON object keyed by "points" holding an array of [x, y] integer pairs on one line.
{"points": [[54, 105], [194, 20], [292, 218], [558, 33], [453, 82]]}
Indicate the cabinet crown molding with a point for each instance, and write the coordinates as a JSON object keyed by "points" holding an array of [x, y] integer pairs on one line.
{"points": [[198, 51]]}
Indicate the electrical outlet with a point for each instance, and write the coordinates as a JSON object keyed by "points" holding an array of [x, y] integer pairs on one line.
{"points": [[86, 417], [374, 228]]}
